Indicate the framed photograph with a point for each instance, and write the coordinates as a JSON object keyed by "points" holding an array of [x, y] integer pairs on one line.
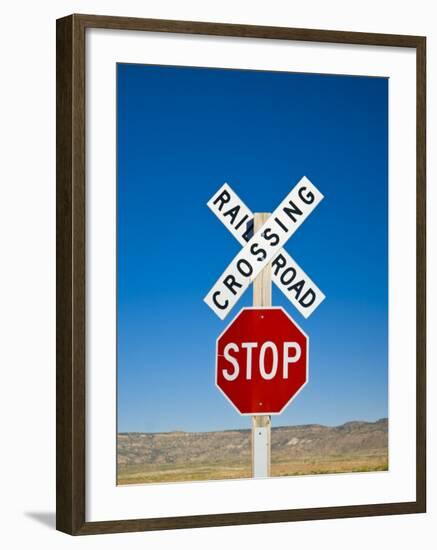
{"points": [[240, 274]]}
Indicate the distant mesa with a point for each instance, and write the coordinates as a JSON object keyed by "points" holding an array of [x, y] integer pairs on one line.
{"points": [[304, 442]]}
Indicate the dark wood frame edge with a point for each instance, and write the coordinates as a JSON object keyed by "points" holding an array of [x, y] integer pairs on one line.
{"points": [[70, 274]]}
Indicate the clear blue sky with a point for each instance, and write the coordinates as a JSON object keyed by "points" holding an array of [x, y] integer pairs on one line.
{"points": [[183, 132]]}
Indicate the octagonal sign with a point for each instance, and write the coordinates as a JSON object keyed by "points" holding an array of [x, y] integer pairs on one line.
{"points": [[262, 360]]}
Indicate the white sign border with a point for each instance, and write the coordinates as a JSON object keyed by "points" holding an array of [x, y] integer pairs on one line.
{"points": [[105, 501]]}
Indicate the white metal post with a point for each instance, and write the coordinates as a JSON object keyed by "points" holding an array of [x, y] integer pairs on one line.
{"points": [[261, 424]]}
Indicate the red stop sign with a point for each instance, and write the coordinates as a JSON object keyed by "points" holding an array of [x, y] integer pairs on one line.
{"points": [[262, 360]]}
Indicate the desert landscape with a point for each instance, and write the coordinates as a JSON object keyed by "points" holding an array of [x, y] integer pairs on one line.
{"points": [[296, 450]]}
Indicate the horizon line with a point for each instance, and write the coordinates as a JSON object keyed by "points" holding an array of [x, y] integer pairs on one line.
{"points": [[380, 420]]}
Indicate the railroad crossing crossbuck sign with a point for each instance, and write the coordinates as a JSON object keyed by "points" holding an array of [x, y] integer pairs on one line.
{"points": [[264, 247]]}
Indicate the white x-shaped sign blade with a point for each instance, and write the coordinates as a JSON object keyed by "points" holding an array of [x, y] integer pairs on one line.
{"points": [[264, 247]]}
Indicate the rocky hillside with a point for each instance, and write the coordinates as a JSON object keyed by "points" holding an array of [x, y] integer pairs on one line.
{"points": [[288, 443]]}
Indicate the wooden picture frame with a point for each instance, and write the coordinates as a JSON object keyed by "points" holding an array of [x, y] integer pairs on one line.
{"points": [[71, 279]]}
